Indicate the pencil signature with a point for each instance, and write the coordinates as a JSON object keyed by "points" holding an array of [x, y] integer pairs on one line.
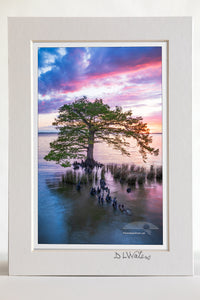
{"points": [[137, 254]]}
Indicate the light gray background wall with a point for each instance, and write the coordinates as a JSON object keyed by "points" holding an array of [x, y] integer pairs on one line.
{"points": [[97, 8]]}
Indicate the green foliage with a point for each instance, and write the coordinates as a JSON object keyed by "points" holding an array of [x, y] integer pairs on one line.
{"points": [[83, 123]]}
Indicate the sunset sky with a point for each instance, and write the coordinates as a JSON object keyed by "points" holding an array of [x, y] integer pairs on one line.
{"points": [[130, 77]]}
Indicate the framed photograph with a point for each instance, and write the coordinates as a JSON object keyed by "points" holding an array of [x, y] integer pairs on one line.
{"points": [[100, 149]]}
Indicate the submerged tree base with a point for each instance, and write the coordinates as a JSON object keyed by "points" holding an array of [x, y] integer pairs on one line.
{"points": [[91, 163], [87, 164]]}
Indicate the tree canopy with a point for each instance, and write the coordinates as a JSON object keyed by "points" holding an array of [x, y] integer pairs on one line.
{"points": [[83, 123]]}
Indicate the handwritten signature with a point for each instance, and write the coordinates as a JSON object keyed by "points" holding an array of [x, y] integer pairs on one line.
{"points": [[137, 254]]}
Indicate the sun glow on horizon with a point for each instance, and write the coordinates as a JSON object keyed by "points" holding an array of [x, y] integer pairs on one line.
{"points": [[130, 77]]}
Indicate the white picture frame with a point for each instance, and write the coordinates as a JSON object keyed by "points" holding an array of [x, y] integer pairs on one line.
{"points": [[24, 258]]}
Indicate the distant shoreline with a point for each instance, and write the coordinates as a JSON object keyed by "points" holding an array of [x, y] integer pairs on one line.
{"points": [[46, 132], [56, 132]]}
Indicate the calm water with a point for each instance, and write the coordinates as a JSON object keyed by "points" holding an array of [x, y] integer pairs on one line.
{"points": [[68, 216]]}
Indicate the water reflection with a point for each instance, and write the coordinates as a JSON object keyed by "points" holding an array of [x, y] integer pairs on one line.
{"points": [[68, 216]]}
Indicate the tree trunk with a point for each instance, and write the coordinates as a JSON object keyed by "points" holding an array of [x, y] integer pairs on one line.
{"points": [[90, 151]]}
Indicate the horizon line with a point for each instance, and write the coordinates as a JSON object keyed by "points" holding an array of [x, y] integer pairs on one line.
{"points": [[51, 132]]}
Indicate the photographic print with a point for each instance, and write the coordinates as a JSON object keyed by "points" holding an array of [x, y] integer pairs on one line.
{"points": [[101, 143]]}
